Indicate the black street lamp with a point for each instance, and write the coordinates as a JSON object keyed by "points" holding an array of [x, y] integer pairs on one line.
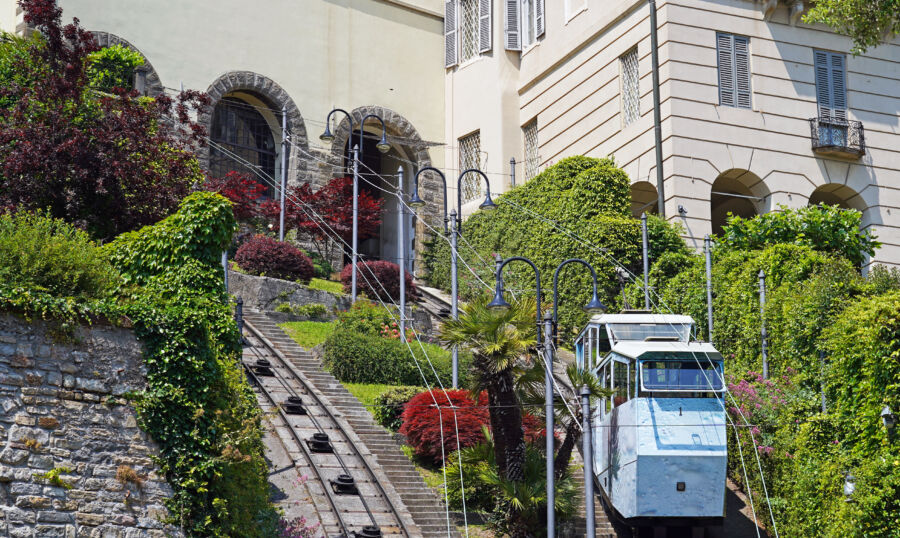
{"points": [[594, 306]]}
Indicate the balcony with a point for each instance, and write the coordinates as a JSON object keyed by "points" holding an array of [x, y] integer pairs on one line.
{"points": [[839, 138]]}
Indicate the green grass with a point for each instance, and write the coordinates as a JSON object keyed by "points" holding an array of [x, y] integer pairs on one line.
{"points": [[326, 285], [367, 392], [308, 334]]}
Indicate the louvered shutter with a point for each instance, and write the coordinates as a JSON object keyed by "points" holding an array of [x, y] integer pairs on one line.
{"points": [[742, 71], [538, 18], [450, 33], [838, 87], [511, 25], [823, 86], [484, 25], [724, 48]]}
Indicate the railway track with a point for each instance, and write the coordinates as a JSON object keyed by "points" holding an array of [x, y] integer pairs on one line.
{"points": [[355, 503]]}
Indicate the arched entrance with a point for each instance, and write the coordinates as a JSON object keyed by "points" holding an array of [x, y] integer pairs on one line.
{"points": [[839, 195], [737, 192], [644, 199]]}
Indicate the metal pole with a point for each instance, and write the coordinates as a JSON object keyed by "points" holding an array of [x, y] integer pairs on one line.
{"points": [[657, 122], [512, 171], [548, 409], [454, 291], [646, 255], [239, 315], [707, 245], [401, 248], [762, 317], [587, 452], [354, 254], [283, 172], [225, 268]]}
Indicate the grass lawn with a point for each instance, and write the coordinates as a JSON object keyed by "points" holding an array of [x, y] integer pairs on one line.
{"points": [[326, 285], [366, 392], [308, 334]]}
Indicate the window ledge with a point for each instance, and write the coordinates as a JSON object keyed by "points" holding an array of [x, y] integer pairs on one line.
{"points": [[530, 47], [577, 13], [473, 60]]}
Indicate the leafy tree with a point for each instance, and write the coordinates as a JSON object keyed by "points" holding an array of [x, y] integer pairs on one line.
{"points": [[106, 163], [868, 22], [244, 193], [113, 67], [824, 228]]}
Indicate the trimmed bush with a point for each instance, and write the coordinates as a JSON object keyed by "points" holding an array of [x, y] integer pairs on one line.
{"points": [[321, 267], [387, 273], [264, 256], [421, 422], [389, 406]]}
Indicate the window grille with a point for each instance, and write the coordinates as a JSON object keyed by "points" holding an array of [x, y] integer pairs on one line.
{"points": [[631, 95], [532, 159], [468, 29], [470, 157], [240, 129]]}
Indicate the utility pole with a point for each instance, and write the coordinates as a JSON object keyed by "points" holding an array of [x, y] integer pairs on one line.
{"points": [[657, 121], [709, 303], [587, 450], [354, 254], [284, 147], [548, 409], [512, 171], [401, 248], [762, 316], [454, 292], [646, 256]]}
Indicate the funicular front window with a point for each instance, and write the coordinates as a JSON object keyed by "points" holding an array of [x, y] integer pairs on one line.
{"points": [[642, 331], [671, 372]]}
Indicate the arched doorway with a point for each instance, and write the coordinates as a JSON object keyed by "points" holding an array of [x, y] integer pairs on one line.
{"points": [[839, 195], [644, 199], [737, 192]]}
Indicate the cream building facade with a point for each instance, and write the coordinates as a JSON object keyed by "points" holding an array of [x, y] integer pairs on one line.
{"points": [[758, 109], [304, 56]]}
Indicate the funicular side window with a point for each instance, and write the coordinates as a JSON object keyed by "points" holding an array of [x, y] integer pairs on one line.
{"points": [[621, 382]]}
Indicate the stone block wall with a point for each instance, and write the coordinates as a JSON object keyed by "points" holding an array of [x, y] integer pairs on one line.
{"points": [[63, 411]]}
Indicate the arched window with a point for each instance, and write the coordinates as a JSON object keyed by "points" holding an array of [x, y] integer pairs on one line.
{"points": [[239, 129]]}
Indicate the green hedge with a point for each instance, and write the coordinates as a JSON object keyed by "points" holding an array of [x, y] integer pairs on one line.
{"points": [[585, 196], [389, 405]]}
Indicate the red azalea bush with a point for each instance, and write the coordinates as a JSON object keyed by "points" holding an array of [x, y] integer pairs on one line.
{"points": [[387, 273], [263, 255], [243, 192], [421, 423]]}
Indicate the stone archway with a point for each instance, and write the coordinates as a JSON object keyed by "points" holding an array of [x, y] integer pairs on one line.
{"points": [[738, 192], [839, 195], [266, 91], [154, 85], [644, 199]]}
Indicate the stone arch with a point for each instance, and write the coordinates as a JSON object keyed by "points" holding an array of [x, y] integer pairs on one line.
{"points": [[154, 85], [273, 96], [739, 192], [838, 194], [407, 147], [644, 199]]}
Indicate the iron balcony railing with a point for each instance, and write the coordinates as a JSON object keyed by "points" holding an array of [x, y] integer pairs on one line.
{"points": [[837, 137]]}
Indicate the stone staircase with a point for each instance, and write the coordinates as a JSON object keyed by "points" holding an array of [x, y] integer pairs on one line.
{"points": [[428, 513]]}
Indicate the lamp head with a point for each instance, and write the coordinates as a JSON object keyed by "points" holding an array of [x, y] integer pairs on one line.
{"points": [[327, 136], [383, 145], [414, 201], [595, 306], [499, 303], [488, 204]]}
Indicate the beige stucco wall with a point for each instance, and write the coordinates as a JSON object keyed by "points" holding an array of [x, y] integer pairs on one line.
{"points": [[324, 54], [570, 82]]}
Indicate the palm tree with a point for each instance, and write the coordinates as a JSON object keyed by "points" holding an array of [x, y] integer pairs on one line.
{"points": [[566, 410], [498, 340]]}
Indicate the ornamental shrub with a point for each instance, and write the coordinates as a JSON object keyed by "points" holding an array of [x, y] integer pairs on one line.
{"points": [[389, 406], [370, 274], [113, 67], [264, 256], [422, 422], [321, 267], [822, 227], [37, 251], [570, 210]]}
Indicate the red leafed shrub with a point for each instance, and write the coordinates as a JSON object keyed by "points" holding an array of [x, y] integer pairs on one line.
{"points": [[387, 273], [263, 255], [243, 192], [422, 423]]}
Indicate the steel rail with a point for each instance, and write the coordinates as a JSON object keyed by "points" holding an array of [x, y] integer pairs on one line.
{"points": [[318, 400]]}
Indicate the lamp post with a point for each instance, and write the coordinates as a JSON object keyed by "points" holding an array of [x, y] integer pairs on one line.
{"points": [[587, 450], [593, 307], [455, 229], [383, 147], [499, 303]]}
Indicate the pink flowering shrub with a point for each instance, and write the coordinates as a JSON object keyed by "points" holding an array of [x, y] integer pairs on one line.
{"points": [[392, 330]]}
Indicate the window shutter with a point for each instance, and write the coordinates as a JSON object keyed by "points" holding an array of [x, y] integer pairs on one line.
{"points": [[484, 25], [823, 84], [838, 87], [511, 25], [724, 48], [538, 18], [742, 71], [450, 33]]}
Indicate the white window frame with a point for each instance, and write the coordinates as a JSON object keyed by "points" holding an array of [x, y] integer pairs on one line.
{"points": [[454, 35]]}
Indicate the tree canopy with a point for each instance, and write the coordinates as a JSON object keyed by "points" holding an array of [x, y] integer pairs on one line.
{"points": [[868, 22]]}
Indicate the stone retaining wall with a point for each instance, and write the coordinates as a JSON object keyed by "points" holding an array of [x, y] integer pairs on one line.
{"points": [[62, 409], [264, 293]]}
